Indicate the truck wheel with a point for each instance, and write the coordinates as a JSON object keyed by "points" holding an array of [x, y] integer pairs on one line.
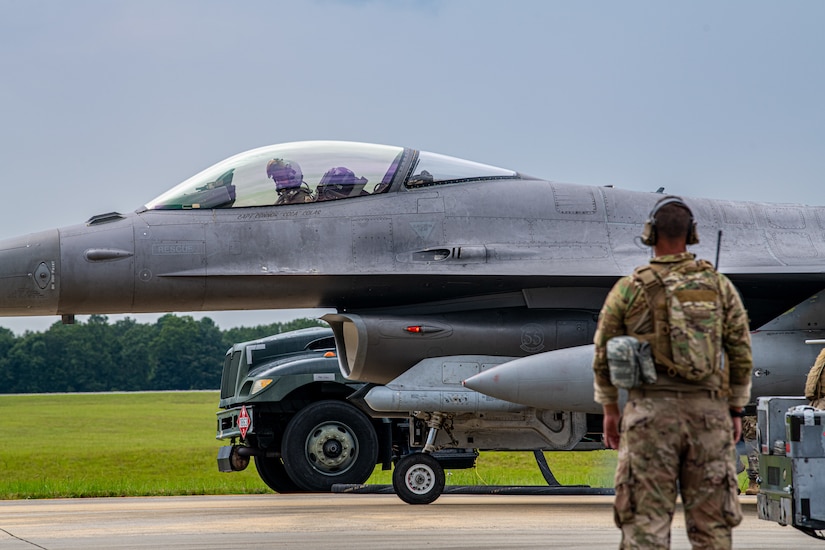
{"points": [[273, 473], [418, 478], [329, 442]]}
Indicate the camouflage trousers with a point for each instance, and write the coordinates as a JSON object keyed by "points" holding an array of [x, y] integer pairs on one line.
{"points": [[749, 436], [669, 445]]}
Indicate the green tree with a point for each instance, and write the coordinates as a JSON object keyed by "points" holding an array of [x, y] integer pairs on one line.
{"points": [[175, 353], [7, 341], [134, 363], [26, 362], [186, 354], [88, 351]]}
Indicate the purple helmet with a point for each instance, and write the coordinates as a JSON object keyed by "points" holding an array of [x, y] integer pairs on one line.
{"points": [[340, 176], [286, 174]]}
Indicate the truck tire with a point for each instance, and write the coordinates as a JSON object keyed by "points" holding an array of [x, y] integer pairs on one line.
{"points": [[329, 442], [272, 472]]}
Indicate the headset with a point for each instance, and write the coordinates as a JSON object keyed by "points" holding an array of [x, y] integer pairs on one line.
{"points": [[649, 234]]}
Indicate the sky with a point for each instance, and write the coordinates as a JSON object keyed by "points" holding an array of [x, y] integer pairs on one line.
{"points": [[106, 104]]}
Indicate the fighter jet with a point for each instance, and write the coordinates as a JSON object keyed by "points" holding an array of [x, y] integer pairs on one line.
{"points": [[439, 269]]}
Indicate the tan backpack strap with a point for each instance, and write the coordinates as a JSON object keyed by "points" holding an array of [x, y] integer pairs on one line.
{"points": [[654, 291], [725, 374], [672, 370], [648, 277]]}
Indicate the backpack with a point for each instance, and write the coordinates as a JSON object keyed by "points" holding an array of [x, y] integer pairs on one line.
{"points": [[687, 313], [812, 384]]}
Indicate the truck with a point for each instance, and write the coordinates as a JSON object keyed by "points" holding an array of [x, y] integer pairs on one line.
{"points": [[791, 439], [284, 404]]}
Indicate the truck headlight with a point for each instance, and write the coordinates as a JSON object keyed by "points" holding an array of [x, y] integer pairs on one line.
{"points": [[259, 385]]}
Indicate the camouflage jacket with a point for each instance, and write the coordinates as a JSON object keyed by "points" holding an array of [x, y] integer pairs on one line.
{"points": [[626, 307], [815, 382]]}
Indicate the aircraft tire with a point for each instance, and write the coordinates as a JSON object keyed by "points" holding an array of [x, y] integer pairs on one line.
{"points": [[418, 478], [272, 471], [329, 442]]}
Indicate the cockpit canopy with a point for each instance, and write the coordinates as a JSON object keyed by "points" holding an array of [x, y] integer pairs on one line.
{"points": [[314, 171]]}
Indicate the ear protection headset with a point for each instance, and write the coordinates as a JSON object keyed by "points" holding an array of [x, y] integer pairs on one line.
{"points": [[649, 234]]}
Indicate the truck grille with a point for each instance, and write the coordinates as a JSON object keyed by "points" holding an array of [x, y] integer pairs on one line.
{"points": [[229, 378]]}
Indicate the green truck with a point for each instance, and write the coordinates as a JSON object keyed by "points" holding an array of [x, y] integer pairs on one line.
{"points": [[284, 402]]}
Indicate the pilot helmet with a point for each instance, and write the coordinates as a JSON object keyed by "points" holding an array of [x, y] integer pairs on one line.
{"points": [[340, 176], [286, 174]]}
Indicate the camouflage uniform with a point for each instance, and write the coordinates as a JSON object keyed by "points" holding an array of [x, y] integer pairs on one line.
{"points": [[674, 430], [815, 385], [749, 436], [298, 195]]}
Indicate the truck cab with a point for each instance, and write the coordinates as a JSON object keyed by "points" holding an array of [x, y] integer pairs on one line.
{"points": [[284, 402]]}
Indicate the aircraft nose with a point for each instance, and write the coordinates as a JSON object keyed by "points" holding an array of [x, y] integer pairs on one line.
{"points": [[29, 268]]}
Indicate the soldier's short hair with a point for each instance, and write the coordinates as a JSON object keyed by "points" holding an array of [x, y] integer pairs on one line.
{"points": [[673, 221]]}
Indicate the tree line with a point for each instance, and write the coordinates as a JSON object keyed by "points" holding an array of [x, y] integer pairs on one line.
{"points": [[174, 353]]}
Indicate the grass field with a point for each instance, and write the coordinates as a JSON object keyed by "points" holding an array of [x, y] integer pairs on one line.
{"points": [[88, 445]]}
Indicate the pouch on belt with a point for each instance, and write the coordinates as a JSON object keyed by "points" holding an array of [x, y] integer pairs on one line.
{"points": [[630, 362]]}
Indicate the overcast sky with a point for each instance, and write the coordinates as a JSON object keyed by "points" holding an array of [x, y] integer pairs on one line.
{"points": [[106, 104]]}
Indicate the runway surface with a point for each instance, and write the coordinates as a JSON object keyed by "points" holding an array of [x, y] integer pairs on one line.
{"points": [[342, 522]]}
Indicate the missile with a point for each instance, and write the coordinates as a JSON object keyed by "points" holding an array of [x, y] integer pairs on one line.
{"points": [[458, 400], [435, 384], [559, 380], [563, 379]]}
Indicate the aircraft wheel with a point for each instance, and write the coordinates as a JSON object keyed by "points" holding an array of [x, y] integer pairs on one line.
{"points": [[272, 472], [418, 478], [329, 442]]}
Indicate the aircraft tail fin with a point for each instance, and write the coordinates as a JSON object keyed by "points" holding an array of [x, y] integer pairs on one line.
{"points": [[807, 315]]}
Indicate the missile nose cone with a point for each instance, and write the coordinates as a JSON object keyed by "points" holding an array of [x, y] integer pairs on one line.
{"points": [[554, 380], [29, 274]]}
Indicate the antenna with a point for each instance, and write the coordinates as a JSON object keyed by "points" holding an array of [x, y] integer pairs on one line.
{"points": [[718, 248]]}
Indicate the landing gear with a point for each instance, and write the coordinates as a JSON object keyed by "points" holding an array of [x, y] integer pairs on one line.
{"points": [[418, 478]]}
